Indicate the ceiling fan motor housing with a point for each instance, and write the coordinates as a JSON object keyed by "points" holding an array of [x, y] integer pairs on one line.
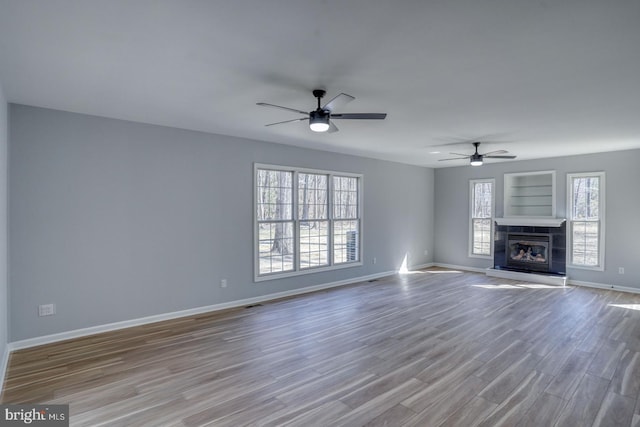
{"points": [[319, 115]]}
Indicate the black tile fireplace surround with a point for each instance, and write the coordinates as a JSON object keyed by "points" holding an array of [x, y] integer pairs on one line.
{"points": [[553, 262]]}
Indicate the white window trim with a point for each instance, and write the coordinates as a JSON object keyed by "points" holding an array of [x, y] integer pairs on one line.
{"points": [[601, 220], [297, 271], [472, 182]]}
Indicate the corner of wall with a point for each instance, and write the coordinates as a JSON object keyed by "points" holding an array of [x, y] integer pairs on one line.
{"points": [[4, 305]]}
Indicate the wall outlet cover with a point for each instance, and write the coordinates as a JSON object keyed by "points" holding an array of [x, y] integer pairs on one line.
{"points": [[46, 310]]}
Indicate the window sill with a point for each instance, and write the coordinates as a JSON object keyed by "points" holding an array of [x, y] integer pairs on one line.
{"points": [[480, 256], [307, 271], [583, 267]]}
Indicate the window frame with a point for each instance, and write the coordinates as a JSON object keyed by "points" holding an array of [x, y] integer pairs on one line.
{"points": [[297, 270], [299, 222], [601, 219], [472, 183]]}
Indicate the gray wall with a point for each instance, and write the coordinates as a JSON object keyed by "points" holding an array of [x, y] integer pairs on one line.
{"points": [[113, 220], [622, 227], [4, 318]]}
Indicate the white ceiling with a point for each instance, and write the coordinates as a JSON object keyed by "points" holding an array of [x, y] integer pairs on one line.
{"points": [[537, 78]]}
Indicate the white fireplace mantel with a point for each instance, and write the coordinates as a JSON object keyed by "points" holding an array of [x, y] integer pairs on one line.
{"points": [[530, 221]]}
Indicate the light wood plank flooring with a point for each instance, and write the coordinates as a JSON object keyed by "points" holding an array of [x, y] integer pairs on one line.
{"points": [[434, 348]]}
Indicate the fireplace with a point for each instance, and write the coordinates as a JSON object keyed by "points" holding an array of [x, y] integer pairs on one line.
{"points": [[533, 246], [528, 251]]}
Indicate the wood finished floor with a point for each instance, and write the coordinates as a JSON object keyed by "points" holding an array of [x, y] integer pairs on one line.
{"points": [[433, 348]]}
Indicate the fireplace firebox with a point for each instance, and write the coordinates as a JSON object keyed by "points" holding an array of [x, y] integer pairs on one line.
{"points": [[529, 251]]}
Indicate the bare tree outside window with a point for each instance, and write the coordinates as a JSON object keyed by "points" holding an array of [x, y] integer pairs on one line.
{"points": [[275, 220], [481, 217], [346, 220], [305, 220], [313, 220], [585, 219]]}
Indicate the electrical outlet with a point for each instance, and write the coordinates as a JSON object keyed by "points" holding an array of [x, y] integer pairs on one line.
{"points": [[426, 252], [223, 283], [620, 270], [374, 260], [46, 310]]}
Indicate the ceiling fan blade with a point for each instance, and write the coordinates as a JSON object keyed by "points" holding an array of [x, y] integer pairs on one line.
{"points": [[338, 101], [498, 157], [332, 127], [460, 154], [288, 121], [465, 139], [264, 104], [495, 152], [360, 116], [455, 158]]}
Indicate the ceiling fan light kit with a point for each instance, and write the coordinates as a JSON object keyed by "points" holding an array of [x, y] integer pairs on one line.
{"points": [[319, 121], [320, 118], [476, 160]]}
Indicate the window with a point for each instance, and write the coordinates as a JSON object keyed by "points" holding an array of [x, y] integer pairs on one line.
{"points": [[586, 220], [481, 226], [275, 220], [305, 220], [346, 223], [313, 226]]}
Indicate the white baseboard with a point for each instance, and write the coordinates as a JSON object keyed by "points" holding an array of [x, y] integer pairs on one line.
{"points": [[421, 266], [604, 286], [459, 267], [77, 333]]}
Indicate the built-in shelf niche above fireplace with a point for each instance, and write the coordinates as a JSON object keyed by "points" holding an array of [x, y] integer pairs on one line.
{"points": [[530, 194]]}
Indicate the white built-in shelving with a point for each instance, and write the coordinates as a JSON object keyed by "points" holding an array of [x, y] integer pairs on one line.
{"points": [[530, 194]]}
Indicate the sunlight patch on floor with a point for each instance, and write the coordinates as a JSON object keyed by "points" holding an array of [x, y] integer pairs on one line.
{"points": [[502, 286], [539, 286], [518, 286], [627, 306], [441, 271], [429, 271], [403, 267]]}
